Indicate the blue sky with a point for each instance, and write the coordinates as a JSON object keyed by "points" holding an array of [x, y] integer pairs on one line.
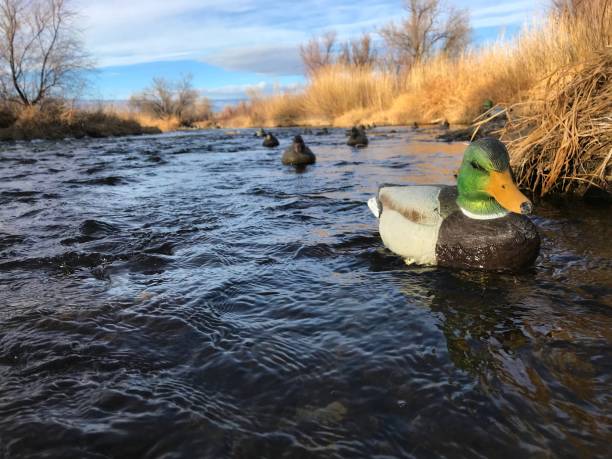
{"points": [[229, 47]]}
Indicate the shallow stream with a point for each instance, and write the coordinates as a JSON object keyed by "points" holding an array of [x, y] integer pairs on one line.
{"points": [[186, 295]]}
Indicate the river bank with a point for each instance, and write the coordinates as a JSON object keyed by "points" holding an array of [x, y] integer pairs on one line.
{"points": [[51, 124]]}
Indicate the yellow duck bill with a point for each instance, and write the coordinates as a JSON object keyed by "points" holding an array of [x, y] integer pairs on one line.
{"points": [[506, 193]]}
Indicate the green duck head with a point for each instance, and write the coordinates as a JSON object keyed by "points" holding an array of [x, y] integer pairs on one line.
{"points": [[485, 184]]}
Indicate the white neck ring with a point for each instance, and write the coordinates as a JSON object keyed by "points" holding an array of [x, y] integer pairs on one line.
{"points": [[492, 216]]}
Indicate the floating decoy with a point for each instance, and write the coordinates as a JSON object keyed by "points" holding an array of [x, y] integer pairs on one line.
{"points": [[478, 224], [357, 138], [270, 141], [298, 153]]}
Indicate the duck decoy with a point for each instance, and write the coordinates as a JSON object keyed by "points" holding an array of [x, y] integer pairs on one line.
{"points": [[479, 224], [298, 153], [270, 141], [357, 138]]}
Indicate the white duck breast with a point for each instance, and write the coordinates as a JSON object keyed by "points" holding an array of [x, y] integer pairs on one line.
{"points": [[410, 218]]}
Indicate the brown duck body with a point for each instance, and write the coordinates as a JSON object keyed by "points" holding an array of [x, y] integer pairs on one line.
{"points": [[506, 243], [357, 138], [298, 154], [270, 141]]}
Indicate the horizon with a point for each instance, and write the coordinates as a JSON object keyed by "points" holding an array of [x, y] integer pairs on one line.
{"points": [[229, 49]]}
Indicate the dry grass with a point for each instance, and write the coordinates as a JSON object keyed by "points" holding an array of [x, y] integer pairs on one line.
{"points": [[57, 120], [561, 140], [279, 109], [438, 89], [163, 124], [442, 88], [338, 90], [559, 132]]}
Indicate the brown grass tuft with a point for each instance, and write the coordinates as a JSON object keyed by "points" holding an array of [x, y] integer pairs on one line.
{"points": [[561, 140], [57, 120]]}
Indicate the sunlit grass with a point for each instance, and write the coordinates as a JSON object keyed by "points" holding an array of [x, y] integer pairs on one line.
{"points": [[442, 88]]}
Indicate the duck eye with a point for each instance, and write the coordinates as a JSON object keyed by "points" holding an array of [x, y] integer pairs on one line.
{"points": [[477, 166]]}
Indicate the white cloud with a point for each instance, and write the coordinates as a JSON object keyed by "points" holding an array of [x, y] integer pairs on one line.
{"points": [[242, 91], [248, 35], [264, 59]]}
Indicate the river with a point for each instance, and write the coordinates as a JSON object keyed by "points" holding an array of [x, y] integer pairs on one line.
{"points": [[186, 295]]}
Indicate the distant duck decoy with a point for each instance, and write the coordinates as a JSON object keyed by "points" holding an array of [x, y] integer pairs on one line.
{"points": [[260, 133], [298, 153], [478, 224], [415, 125], [270, 141], [323, 131], [445, 124], [357, 137], [307, 131]]}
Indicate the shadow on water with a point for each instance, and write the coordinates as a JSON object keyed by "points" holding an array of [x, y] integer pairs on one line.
{"points": [[208, 300]]}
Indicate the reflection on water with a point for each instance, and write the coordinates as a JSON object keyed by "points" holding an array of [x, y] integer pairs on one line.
{"points": [[187, 294]]}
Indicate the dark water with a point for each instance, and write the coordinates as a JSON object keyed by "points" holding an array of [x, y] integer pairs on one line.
{"points": [[188, 296]]}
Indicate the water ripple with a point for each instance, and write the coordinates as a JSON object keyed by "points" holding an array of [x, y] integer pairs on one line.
{"points": [[186, 294]]}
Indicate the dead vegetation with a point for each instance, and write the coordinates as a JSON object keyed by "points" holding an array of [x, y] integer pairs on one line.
{"points": [[560, 134], [171, 104], [56, 120], [561, 140]]}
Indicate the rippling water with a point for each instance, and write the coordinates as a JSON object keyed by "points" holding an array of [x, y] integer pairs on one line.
{"points": [[186, 295]]}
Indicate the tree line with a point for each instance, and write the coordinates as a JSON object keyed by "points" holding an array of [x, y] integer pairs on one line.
{"points": [[429, 28]]}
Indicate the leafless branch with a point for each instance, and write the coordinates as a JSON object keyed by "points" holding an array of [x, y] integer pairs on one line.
{"points": [[430, 27], [40, 51], [165, 99]]}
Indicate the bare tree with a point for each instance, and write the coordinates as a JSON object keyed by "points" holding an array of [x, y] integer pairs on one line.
{"points": [[325, 50], [40, 51], [186, 98], [428, 28], [358, 52], [157, 100], [363, 53], [165, 99], [318, 52]]}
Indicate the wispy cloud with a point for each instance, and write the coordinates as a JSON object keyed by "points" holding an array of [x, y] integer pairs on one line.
{"points": [[263, 59], [242, 91], [247, 35]]}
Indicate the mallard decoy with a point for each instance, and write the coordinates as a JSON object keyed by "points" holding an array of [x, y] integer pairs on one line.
{"points": [[270, 141], [298, 153], [357, 138], [479, 224]]}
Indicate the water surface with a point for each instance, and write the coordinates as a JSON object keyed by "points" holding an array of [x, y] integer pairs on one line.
{"points": [[186, 295]]}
